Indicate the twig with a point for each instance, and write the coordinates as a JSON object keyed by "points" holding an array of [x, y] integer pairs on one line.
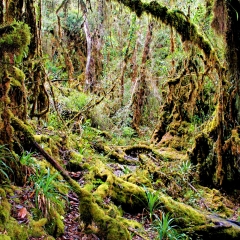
{"points": [[195, 190], [137, 233]]}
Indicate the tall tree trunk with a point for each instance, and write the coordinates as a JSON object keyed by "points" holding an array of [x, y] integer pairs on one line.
{"points": [[88, 70], [127, 56], [62, 46], [140, 96]]}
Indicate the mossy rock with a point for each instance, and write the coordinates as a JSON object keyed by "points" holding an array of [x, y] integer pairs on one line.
{"points": [[75, 163]]}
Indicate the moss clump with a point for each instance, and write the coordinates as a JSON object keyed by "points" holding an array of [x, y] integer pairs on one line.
{"points": [[184, 214], [5, 207], [75, 162], [36, 227], [15, 39], [17, 78], [4, 237], [55, 225], [15, 230], [109, 227]]}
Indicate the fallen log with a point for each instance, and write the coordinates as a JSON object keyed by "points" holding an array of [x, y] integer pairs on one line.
{"points": [[191, 221]]}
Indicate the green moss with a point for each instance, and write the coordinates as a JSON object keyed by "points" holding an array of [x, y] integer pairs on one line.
{"points": [[5, 207], [36, 228], [55, 225], [2, 193], [15, 39], [15, 230], [15, 82], [111, 228], [17, 78], [41, 138], [183, 214], [75, 161], [4, 237], [102, 191], [141, 177], [20, 126]]}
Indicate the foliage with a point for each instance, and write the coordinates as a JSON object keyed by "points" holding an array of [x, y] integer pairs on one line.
{"points": [[166, 229], [46, 194], [74, 101], [6, 159], [153, 202], [27, 159], [128, 132], [185, 167]]}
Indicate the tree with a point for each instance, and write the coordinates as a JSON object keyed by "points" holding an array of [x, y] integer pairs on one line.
{"points": [[225, 171]]}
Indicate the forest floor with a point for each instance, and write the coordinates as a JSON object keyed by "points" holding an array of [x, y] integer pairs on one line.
{"points": [[164, 170], [130, 180]]}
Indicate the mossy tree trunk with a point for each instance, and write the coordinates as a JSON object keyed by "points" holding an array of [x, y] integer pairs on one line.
{"points": [[222, 137], [141, 92]]}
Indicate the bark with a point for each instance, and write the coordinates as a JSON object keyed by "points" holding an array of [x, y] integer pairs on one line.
{"points": [[140, 95], [89, 75], [32, 22], [63, 47]]}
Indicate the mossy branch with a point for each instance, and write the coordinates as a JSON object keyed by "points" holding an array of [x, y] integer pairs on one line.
{"points": [[177, 20]]}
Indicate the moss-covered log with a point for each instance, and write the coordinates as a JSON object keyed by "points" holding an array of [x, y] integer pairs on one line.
{"points": [[111, 224]]}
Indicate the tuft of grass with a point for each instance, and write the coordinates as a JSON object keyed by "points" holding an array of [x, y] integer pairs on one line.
{"points": [[185, 167], [46, 194], [153, 202], [27, 159], [6, 159], [166, 229]]}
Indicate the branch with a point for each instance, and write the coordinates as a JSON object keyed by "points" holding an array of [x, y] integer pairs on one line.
{"points": [[177, 20]]}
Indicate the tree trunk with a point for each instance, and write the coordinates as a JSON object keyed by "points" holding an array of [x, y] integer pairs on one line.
{"points": [[140, 95]]}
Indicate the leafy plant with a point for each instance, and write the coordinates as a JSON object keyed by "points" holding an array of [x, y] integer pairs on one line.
{"points": [[97, 182], [166, 229], [128, 132], [152, 201], [26, 159], [6, 158], [46, 194], [126, 170], [185, 168]]}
